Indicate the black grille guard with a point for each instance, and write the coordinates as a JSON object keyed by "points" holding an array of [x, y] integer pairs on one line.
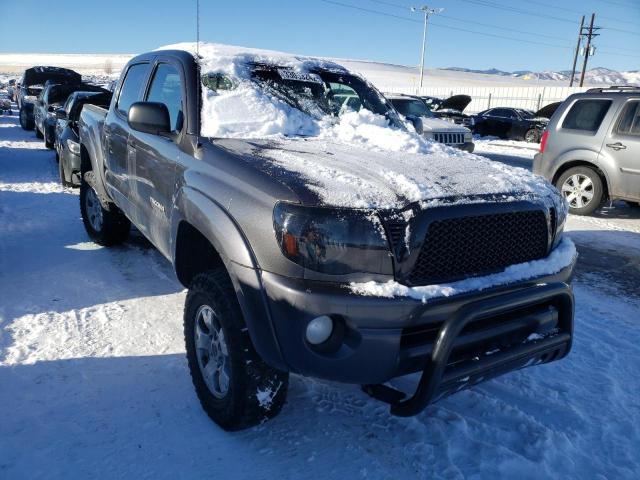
{"points": [[433, 376]]}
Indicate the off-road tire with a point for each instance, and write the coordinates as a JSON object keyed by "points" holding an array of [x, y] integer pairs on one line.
{"points": [[115, 226], [250, 376], [25, 123], [48, 142], [63, 182], [598, 189]]}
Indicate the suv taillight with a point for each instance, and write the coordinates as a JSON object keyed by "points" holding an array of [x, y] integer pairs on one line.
{"points": [[543, 140]]}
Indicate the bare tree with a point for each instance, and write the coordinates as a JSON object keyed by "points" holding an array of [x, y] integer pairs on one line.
{"points": [[108, 66]]}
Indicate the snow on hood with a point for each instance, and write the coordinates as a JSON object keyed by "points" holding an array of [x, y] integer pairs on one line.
{"points": [[430, 124], [361, 162]]}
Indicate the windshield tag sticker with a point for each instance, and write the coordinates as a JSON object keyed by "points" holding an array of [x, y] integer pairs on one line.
{"points": [[288, 74]]}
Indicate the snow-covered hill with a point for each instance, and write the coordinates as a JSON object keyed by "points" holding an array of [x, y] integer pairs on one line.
{"points": [[594, 76], [382, 74]]}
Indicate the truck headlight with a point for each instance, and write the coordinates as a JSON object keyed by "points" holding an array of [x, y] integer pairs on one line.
{"points": [[74, 147], [468, 137], [333, 241]]}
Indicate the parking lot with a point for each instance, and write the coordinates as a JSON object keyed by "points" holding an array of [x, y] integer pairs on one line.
{"points": [[92, 358]]}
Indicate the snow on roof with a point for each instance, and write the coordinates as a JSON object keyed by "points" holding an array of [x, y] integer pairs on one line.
{"points": [[234, 60]]}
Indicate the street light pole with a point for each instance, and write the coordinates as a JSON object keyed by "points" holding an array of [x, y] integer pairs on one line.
{"points": [[426, 11]]}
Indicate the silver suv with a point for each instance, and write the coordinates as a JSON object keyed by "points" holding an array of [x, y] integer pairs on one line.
{"points": [[591, 148]]}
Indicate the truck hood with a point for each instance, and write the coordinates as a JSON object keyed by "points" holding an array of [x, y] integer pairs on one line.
{"points": [[39, 75], [438, 125], [456, 102], [326, 172]]}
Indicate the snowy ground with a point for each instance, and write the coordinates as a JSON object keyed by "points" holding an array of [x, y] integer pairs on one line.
{"points": [[94, 383]]}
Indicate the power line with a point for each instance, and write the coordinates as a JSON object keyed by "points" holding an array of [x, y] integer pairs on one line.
{"points": [[503, 37], [440, 25], [570, 10], [458, 19]]}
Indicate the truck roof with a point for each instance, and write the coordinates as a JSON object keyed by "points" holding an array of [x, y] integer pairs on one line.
{"points": [[236, 61]]}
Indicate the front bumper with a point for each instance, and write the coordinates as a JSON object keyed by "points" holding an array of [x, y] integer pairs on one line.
{"points": [[456, 342]]}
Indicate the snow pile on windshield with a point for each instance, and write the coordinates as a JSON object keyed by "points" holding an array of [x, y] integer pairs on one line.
{"points": [[561, 257], [246, 111]]}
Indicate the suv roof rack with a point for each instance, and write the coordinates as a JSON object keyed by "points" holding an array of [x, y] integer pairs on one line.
{"points": [[615, 88]]}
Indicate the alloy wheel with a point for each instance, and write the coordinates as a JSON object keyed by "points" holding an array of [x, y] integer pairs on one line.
{"points": [[94, 210], [578, 190], [212, 351]]}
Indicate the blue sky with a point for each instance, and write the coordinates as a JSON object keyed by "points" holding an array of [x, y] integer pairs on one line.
{"points": [[317, 27]]}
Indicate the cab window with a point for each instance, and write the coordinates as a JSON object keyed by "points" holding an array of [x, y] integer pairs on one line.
{"points": [[166, 87], [132, 88]]}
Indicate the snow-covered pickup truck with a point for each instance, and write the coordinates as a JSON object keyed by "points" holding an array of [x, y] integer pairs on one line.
{"points": [[330, 242]]}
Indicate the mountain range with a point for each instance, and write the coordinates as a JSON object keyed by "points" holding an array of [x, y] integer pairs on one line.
{"points": [[594, 76]]}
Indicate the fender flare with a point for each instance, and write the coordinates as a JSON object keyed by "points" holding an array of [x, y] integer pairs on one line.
{"points": [[216, 225]]}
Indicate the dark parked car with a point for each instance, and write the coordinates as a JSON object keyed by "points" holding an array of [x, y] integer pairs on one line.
{"points": [[51, 99], [274, 252], [31, 86], [67, 142], [451, 109], [513, 123]]}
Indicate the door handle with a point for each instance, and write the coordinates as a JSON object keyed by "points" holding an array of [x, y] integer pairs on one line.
{"points": [[616, 146]]}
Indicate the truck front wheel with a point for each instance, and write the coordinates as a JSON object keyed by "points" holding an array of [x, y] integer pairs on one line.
{"points": [[25, 122], [105, 226], [235, 387]]}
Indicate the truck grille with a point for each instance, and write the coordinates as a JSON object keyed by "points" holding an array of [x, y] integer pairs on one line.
{"points": [[449, 138], [461, 247]]}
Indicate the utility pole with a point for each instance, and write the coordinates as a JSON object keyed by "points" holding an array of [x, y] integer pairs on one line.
{"points": [[198, 28], [575, 57], [426, 11], [587, 50]]}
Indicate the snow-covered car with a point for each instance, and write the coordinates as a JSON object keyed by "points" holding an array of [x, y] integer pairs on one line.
{"points": [[431, 126], [319, 240]]}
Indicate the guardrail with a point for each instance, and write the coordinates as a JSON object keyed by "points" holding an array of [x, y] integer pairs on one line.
{"points": [[530, 98]]}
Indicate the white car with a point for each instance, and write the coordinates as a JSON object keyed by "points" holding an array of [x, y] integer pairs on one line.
{"points": [[431, 127]]}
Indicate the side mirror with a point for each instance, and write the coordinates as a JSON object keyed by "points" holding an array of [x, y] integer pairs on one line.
{"points": [[149, 117], [51, 108], [61, 114], [417, 123]]}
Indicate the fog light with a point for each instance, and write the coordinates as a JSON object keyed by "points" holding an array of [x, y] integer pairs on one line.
{"points": [[319, 330]]}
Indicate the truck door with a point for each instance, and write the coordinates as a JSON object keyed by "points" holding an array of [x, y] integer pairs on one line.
{"points": [[622, 146], [118, 155], [156, 156]]}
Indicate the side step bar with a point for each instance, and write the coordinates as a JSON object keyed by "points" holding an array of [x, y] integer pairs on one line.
{"points": [[557, 346]]}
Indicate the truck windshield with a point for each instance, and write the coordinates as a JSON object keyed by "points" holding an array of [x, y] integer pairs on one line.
{"points": [[322, 93], [412, 107]]}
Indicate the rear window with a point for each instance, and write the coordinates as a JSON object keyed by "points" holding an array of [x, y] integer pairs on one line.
{"points": [[586, 115], [132, 87]]}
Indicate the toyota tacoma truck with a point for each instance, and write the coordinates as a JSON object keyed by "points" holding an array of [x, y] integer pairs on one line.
{"points": [[328, 242]]}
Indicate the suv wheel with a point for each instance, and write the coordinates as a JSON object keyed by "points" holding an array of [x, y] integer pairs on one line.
{"points": [[38, 133], [105, 226], [582, 188], [235, 387], [532, 136], [25, 123]]}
